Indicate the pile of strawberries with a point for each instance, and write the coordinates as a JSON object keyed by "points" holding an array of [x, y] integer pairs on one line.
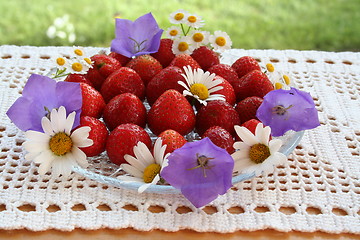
{"points": [[115, 89]]}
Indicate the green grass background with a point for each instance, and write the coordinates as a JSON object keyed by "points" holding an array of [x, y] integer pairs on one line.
{"points": [[329, 25]]}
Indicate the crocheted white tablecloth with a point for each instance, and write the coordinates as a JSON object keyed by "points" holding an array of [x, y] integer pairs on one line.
{"points": [[317, 190]]}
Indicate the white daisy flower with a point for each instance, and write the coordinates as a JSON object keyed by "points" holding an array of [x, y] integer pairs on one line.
{"points": [[194, 21], [57, 148], [220, 41], [199, 38], [182, 46], [145, 167], [278, 78], [255, 153], [201, 85], [173, 32], [80, 66], [178, 17]]}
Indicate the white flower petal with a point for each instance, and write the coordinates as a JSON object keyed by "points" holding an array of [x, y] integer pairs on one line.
{"points": [[34, 146], [142, 153], [80, 136], [36, 136], [275, 145], [129, 179], [240, 166], [68, 124], [46, 125], [143, 187], [79, 156], [132, 170], [135, 162], [246, 135]]}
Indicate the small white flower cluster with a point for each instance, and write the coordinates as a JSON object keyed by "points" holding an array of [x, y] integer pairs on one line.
{"points": [[62, 28], [188, 36]]}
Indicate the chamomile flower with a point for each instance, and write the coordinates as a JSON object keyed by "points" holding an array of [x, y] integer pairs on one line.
{"points": [[256, 153], [173, 32], [179, 16], [145, 167], [278, 78], [199, 38], [201, 85], [182, 46], [220, 41], [194, 21], [57, 148], [80, 66]]}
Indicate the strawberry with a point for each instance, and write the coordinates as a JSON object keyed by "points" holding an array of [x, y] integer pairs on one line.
{"points": [[124, 108], [254, 83], [227, 91], [244, 65], [247, 108], [165, 54], [103, 66], [225, 71], [171, 111], [122, 140], [221, 138], [92, 102], [146, 66], [205, 57], [251, 124], [98, 134], [122, 81], [172, 139], [183, 60], [166, 79], [217, 113], [74, 77], [123, 60]]}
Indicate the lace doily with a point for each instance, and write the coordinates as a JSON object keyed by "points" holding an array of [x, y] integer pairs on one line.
{"points": [[317, 190]]}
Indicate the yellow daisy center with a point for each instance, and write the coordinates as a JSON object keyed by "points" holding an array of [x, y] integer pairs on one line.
{"points": [[88, 60], [150, 172], [60, 61], [183, 46], [78, 52], [192, 19], [173, 32], [77, 66], [221, 41], [286, 79], [179, 16], [198, 37], [60, 144], [278, 85], [270, 67], [259, 153], [200, 90]]}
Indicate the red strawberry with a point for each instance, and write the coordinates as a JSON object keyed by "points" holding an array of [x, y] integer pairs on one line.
{"points": [[251, 125], [171, 111], [146, 66], [225, 71], [122, 81], [217, 113], [122, 140], [74, 77], [103, 66], [183, 60], [227, 91], [166, 79], [92, 102], [165, 54], [172, 139], [247, 108], [98, 134], [254, 83], [205, 57], [245, 65], [124, 108], [123, 60], [221, 138]]}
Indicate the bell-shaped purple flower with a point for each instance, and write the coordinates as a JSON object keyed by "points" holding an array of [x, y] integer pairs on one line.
{"points": [[136, 38], [40, 95], [201, 170], [284, 110]]}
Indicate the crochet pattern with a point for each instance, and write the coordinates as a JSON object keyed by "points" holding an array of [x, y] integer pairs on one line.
{"points": [[318, 189]]}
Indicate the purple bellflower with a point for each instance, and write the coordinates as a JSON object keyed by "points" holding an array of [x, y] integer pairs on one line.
{"points": [[201, 170], [284, 110], [40, 95], [136, 38]]}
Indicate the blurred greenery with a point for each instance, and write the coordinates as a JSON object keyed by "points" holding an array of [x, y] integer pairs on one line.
{"points": [[329, 25]]}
